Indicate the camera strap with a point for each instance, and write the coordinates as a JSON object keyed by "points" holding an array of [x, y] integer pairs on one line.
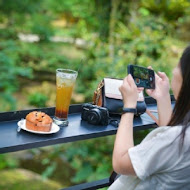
{"points": [[115, 122]]}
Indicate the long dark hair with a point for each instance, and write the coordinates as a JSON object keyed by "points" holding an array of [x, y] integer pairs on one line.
{"points": [[181, 111]]}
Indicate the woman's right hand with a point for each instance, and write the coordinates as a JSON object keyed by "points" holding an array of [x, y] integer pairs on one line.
{"points": [[162, 86]]}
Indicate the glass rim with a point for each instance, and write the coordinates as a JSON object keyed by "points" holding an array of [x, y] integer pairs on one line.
{"points": [[70, 71]]}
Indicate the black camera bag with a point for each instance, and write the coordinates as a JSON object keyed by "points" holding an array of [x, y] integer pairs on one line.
{"points": [[108, 95]]}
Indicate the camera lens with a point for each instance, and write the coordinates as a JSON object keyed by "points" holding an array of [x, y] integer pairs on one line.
{"points": [[94, 116], [137, 81]]}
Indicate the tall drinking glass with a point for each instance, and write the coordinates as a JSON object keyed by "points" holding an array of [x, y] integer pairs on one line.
{"points": [[65, 80]]}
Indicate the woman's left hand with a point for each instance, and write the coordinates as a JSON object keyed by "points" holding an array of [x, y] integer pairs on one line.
{"points": [[129, 92]]}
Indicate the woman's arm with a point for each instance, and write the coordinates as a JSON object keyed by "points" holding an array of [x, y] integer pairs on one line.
{"points": [[164, 110], [124, 140], [124, 137]]}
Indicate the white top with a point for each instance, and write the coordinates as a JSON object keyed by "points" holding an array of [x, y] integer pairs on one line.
{"points": [[158, 163]]}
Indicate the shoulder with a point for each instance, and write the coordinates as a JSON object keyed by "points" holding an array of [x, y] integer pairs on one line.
{"points": [[168, 132]]}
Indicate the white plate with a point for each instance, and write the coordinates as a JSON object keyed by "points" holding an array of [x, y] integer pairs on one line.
{"points": [[54, 128]]}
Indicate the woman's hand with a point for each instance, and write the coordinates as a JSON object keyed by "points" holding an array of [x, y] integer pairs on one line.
{"points": [[129, 92], [162, 86], [162, 96]]}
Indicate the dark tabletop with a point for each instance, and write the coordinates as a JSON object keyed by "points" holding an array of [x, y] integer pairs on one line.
{"points": [[11, 140]]}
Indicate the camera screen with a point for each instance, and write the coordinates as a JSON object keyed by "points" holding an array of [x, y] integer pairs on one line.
{"points": [[141, 73]]}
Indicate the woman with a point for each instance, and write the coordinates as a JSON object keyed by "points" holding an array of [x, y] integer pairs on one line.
{"points": [[162, 159]]}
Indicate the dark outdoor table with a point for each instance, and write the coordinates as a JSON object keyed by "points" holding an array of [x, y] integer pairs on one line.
{"points": [[11, 140]]}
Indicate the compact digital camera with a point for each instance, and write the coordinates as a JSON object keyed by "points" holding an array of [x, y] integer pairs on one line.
{"points": [[94, 114]]}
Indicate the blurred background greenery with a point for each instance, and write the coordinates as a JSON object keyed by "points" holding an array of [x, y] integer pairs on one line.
{"points": [[101, 37]]}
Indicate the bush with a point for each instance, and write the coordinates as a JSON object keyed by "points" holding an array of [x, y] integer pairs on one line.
{"points": [[37, 99], [170, 9], [41, 26], [10, 71], [7, 161]]}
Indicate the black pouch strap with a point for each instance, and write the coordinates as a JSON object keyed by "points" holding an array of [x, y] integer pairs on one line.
{"points": [[112, 177], [114, 122]]}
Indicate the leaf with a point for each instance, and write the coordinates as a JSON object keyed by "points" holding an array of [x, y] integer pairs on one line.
{"points": [[84, 172]]}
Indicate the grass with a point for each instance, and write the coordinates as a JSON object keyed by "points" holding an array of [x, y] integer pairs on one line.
{"points": [[17, 179]]}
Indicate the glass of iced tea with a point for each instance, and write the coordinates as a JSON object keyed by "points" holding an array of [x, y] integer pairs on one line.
{"points": [[65, 80]]}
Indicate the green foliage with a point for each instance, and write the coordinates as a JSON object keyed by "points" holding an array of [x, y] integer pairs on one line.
{"points": [[49, 170], [88, 160], [183, 27], [10, 71], [170, 9], [73, 10], [17, 179], [18, 6], [91, 159], [141, 42], [46, 57], [102, 10], [37, 20], [8, 162], [8, 33], [41, 27], [37, 99]]}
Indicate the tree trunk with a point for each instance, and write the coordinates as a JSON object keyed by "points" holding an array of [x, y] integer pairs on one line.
{"points": [[113, 19]]}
